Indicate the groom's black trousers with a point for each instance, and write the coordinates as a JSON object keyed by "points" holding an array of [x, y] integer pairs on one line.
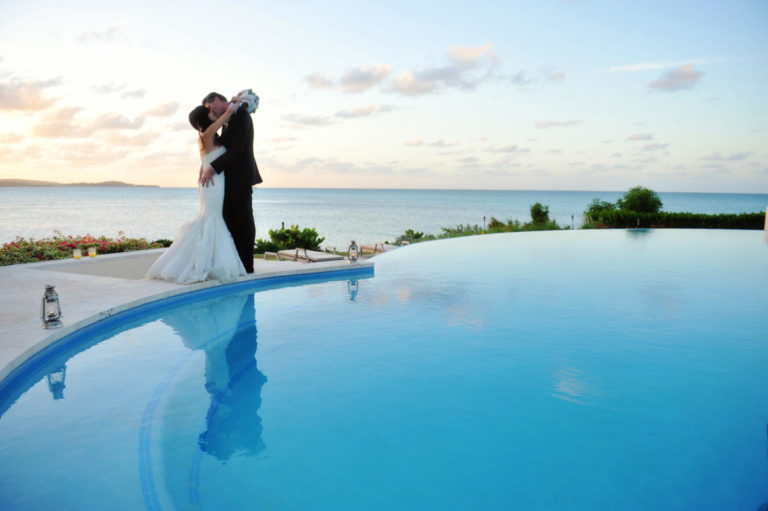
{"points": [[238, 215]]}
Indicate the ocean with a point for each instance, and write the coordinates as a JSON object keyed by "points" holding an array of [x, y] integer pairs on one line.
{"points": [[339, 215]]}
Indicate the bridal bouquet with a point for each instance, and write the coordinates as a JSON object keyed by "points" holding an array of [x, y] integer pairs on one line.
{"points": [[250, 99]]}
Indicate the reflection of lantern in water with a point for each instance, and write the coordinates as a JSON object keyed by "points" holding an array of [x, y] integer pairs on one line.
{"points": [[50, 310], [56, 382], [354, 251], [352, 287]]}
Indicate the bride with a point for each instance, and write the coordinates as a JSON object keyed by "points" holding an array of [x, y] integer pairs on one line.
{"points": [[203, 248]]}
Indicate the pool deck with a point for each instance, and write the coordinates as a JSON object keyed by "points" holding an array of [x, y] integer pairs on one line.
{"points": [[93, 288]]}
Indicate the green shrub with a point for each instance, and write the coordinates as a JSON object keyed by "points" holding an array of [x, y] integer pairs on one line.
{"points": [[539, 214], [629, 219], [640, 199], [294, 237]]}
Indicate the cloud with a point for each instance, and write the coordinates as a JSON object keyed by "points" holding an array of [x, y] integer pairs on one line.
{"points": [[354, 79], [282, 139], [299, 121], [409, 84], [640, 136], [10, 138], [102, 35], [115, 122], [520, 78], [468, 67], [26, 95], [542, 125], [134, 94], [334, 166], [508, 149], [363, 78], [61, 123], [435, 143], [654, 146], [679, 78], [731, 157], [164, 110], [364, 111], [553, 75], [318, 81], [652, 66]]}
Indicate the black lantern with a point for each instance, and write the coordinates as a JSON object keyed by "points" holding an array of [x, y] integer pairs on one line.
{"points": [[354, 252], [50, 310]]}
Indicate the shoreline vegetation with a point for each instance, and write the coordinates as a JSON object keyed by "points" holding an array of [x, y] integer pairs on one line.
{"points": [[639, 208], [25, 183]]}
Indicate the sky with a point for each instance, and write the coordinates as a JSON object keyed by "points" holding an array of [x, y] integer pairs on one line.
{"points": [[514, 95]]}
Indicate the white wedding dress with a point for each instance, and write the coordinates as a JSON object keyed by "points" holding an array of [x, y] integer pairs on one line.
{"points": [[203, 248]]}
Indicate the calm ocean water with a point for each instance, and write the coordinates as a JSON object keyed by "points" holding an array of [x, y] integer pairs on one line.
{"points": [[339, 215]]}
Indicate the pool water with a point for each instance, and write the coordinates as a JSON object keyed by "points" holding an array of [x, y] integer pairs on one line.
{"points": [[551, 370]]}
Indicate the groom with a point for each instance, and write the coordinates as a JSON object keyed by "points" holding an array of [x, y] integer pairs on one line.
{"points": [[241, 173]]}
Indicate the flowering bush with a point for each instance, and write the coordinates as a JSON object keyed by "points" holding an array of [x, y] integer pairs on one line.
{"points": [[61, 247]]}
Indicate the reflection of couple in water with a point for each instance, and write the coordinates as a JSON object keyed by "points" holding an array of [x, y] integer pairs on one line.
{"points": [[225, 328]]}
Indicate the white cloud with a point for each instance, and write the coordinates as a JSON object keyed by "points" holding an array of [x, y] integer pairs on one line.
{"points": [[731, 157], [134, 94], [364, 111], [164, 110], [101, 35], [10, 138], [363, 78], [27, 95], [654, 146], [652, 66], [354, 79], [299, 121], [640, 136], [468, 68], [542, 125], [680, 78], [116, 122], [318, 81], [409, 84]]}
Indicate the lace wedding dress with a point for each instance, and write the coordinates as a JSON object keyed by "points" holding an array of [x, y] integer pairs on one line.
{"points": [[203, 248]]}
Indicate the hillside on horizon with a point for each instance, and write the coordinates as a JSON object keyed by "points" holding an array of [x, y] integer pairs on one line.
{"points": [[30, 182]]}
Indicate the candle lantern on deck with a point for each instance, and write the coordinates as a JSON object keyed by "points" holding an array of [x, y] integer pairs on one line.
{"points": [[50, 309], [354, 252], [91, 251]]}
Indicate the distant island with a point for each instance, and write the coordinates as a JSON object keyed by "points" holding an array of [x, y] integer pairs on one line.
{"points": [[29, 182]]}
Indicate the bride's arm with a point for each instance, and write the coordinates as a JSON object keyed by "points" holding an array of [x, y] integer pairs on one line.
{"points": [[218, 123]]}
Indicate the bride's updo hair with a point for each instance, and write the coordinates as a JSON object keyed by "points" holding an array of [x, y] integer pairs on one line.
{"points": [[198, 118]]}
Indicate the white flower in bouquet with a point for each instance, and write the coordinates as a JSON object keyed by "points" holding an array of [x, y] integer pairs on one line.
{"points": [[250, 99]]}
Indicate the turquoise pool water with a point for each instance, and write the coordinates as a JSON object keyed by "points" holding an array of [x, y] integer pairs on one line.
{"points": [[567, 370]]}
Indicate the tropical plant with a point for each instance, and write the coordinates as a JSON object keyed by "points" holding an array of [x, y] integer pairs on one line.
{"points": [[539, 214], [294, 237], [641, 200]]}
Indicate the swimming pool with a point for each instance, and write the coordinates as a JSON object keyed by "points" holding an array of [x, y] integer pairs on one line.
{"points": [[566, 370]]}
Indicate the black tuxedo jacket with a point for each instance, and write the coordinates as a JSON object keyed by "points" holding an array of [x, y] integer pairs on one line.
{"points": [[238, 162]]}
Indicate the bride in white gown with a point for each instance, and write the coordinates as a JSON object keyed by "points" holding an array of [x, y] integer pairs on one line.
{"points": [[203, 248]]}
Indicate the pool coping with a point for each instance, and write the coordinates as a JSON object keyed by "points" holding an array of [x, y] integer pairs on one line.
{"points": [[83, 304]]}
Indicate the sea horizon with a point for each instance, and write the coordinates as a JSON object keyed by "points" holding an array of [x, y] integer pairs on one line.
{"points": [[340, 215]]}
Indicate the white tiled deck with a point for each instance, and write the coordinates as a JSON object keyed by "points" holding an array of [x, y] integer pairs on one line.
{"points": [[91, 288]]}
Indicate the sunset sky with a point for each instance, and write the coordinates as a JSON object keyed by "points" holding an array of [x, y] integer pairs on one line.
{"points": [[549, 94]]}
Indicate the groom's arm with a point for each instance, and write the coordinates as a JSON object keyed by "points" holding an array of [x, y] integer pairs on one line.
{"points": [[235, 142]]}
